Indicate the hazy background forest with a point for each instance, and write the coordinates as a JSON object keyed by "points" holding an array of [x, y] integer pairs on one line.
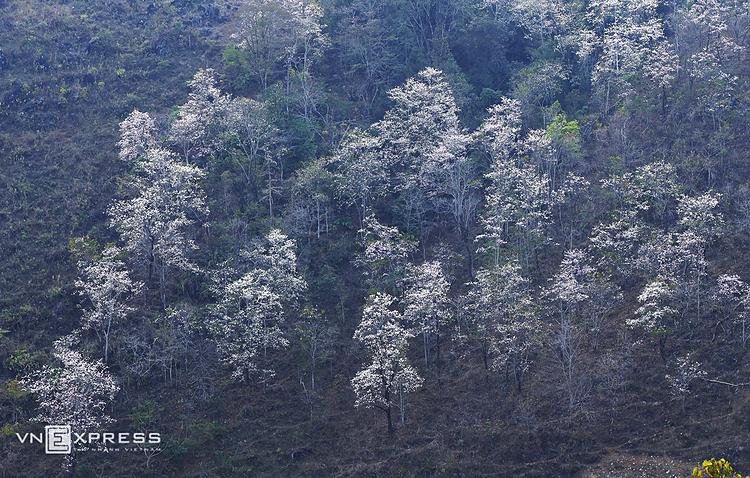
{"points": [[376, 237]]}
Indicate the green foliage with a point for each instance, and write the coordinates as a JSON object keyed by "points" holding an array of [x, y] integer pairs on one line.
{"points": [[9, 429], [200, 433], [565, 132], [11, 390], [144, 414], [83, 247], [714, 468], [239, 70], [489, 97], [22, 360]]}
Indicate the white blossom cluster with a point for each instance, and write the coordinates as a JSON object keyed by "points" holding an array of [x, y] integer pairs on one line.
{"points": [[248, 320], [75, 392], [389, 372]]}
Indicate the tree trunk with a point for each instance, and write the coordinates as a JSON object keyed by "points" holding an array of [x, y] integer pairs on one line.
{"points": [[484, 354], [387, 396], [401, 404], [663, 348], [106, 339], [162, 286], [517, 375]]}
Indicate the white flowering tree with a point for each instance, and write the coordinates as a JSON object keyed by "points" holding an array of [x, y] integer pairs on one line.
{"points": [[279, 36], [648, 191], [254, 144], [679, 257], [361, 175], [389, 376], [631, 241], [630, 48], [657, 314], [712, 32], [635, 56], [500, 134], [107, 285], [733, 299], [542, 19], [385, 254], [423, 111], [699, 215], [426, 304], [424, 115], [308, 44], [197, 130], [448, 177], [247, 325], [277, 256], [138, 134], [518, 206], [312, 198], [702, 223], [686, 372], [157, 218], [579, 300], [502, 306], [617, 242], [74, 391], [248, 319]]}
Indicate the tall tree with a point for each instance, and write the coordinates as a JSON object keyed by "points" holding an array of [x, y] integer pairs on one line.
{"points": [[138, 134], [252, 310], [75, 391], [520, 196], [159, 215], [279, 36], [657, 314], [424, 112], [312, 193], [106, 284], [389, 376], [580, 298], [506, 323], [197, 129], [426, 304], [361, 175], [385, 255], [733, 300]]}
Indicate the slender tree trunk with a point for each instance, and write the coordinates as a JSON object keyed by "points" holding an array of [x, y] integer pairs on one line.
{"points": [[484, 354], [106, 339], [437, 346], [317, 207], [312, 372], [517, 376], [151, 260], [744, 333], [387, 396], [401, 404], [163, 286], [663, 348]]}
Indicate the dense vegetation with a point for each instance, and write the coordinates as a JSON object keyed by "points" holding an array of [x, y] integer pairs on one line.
{"points": [[376, 237]]}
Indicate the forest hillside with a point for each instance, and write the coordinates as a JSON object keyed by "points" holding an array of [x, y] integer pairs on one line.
{"points": [[375, 238]]}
